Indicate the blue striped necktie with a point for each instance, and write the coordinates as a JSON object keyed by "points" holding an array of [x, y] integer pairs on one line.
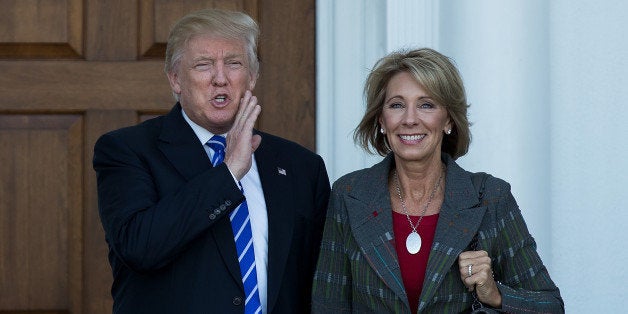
{"points": [[243, 236]]}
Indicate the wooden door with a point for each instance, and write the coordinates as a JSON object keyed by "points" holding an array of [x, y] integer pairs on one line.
{"points": [[71, 70]]}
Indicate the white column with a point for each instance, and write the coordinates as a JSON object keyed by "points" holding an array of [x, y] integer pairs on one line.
{"points": [[412, 24], [350, 37]]}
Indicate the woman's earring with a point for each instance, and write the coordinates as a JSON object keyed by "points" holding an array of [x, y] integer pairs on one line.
{"points": [[448, 132], [381, 130]]}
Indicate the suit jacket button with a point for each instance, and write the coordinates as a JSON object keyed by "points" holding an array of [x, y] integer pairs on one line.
{"points": [[216, 211], [212, 216], [237, 300], [223, 207], [228, 202]]}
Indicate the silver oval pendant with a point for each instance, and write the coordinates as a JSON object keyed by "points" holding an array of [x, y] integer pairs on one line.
{"points": [[413, 242]]}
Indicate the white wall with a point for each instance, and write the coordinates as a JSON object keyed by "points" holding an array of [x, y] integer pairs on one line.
{"points": [[545, 81], [588, 69]]}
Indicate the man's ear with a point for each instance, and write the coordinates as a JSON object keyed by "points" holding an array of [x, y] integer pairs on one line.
{"points": [[173, 79], [252, 82]]}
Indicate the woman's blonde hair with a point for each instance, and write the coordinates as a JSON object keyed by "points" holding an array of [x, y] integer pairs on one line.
{"points": [[437, 74]]}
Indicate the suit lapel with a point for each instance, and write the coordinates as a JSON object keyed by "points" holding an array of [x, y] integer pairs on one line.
{"points": [[181, 147], [460, 217], [275, 174], [370, 218]]}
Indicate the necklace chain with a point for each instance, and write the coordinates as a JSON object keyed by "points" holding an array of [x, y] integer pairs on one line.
{"points": [[429, 200]]}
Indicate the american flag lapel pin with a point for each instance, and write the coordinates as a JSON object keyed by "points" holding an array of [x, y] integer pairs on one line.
{"points": [[281, 171]]}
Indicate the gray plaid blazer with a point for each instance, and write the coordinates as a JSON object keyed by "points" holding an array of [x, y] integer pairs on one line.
{"points": [[358, 269]]}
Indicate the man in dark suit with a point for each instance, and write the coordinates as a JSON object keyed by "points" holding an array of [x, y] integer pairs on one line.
{"points": [[169, 198]]}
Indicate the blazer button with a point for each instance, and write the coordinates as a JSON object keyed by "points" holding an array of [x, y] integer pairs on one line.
{"points": [[212, 216], [223, 207], [237, 301], [228, 202]]}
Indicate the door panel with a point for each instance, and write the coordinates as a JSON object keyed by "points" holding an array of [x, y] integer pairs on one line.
{"points": [[74, 69], [41, 29], [40, 211]]}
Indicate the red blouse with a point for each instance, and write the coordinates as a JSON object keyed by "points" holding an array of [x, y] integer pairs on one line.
{"points": [[413, 265]]}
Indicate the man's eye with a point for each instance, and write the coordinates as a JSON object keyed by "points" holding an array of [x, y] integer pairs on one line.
{"points": [[234, 63], [202, 66]]}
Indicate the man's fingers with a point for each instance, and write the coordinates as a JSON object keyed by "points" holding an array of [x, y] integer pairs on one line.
{"points": [[249, 123], [242, 109]]}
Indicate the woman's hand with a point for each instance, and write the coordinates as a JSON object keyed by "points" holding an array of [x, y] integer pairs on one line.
{"points": [[476, 273]]}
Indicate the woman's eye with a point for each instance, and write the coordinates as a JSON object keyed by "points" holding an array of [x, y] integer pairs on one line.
{"points": [[395, 105], [426, 105]]}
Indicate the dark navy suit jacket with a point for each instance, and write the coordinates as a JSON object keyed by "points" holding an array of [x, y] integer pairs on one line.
{"points": [[165, 209]]}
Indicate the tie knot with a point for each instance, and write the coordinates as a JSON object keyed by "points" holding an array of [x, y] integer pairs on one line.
{"points": [[217, 144]]}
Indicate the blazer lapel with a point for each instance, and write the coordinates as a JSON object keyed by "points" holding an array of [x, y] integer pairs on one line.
{"points": [[275, 175], [460, 217], [370, 218], [180, 145]]}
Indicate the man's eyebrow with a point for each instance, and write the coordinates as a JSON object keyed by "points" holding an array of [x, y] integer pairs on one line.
{"points": [[234, 55], [203, 58]]}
